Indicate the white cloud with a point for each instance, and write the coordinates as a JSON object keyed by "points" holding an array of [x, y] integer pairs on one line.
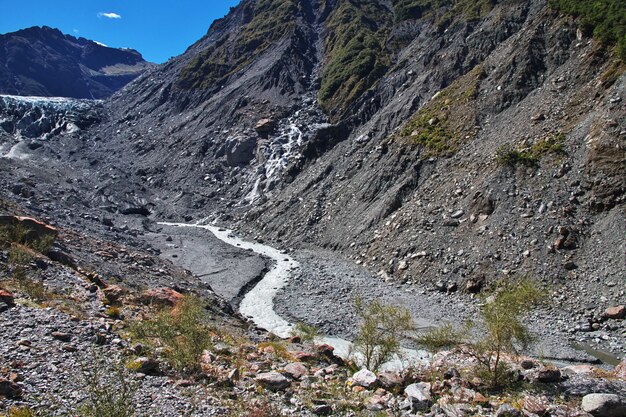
{"points": [[109, 15]]}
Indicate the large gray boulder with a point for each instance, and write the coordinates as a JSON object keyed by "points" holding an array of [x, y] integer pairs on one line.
{"points": [[240, 150], [419, 396], [604, 405]]}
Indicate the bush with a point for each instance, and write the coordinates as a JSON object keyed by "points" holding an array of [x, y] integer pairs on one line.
{"points": [[380, 331], [182, 331], [307, 333], [110, 391], [503, 330], [439, 338]]}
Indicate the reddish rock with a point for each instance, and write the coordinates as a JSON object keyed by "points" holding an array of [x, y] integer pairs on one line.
{"points": [[617, 312], [161, 296], [390, 380], [63, 337], [295, 339], [113, 293], [326, 350], [296, 370], [7, 297], [303, 356]]}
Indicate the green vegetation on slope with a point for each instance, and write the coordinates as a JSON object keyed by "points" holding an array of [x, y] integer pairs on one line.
{"points": [[448, 119], [468, 9], [605, 19], [355, 51], [272, 19]]}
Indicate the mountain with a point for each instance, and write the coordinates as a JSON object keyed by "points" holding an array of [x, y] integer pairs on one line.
{"points": [[420, 151], [41, 61]]}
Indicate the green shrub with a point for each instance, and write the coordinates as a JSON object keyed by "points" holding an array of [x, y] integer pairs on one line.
{"points": [[503, 330], [110, 390], [183, 332], [380, 330], [604, 19], [439, 338], [553, 145], [307, 333]]}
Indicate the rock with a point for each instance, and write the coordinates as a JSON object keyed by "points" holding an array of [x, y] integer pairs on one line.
{"points": [[451, 287], [145, 365], [296, 370], [240, 150], [113, 293], [533, 405], [7, 298], [548, 375], [273, 381], [35, 229], [617, 312], [63, 337], [620, 370], [403, 266], [322, 410], [457, 214], [451, 373], [604, 405], [507, 410], [451, 222], [570, 266], [390, 380], [161, 296], [419, 396], [528, 364], [364, 378], [10, 389], [234, 375], [265, 126], [475, 284]]}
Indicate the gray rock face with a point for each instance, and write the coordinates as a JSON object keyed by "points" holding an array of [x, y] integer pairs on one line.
{"points": [[240, 150], [604, 405]]}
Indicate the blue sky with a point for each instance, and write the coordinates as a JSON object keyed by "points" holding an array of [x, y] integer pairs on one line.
{"points": [[159, 29]]}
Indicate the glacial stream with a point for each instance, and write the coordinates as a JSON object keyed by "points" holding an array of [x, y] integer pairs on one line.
{"points": [[258, 304]]}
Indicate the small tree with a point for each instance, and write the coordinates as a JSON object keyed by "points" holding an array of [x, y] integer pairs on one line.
{"points": [[380, 331], [504, 331]]}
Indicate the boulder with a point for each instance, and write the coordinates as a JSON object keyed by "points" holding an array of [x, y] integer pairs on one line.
{"points": [[35, 229], [364, 378], [296, 370], [145, 365], [240, 150], [390, 380], [10, 389], [273, 381], [419, 396], [617, 312], [265, 126], [548, 375], [604, 405], [507, 410], [620, 370], [161, 296], [7, 298]]}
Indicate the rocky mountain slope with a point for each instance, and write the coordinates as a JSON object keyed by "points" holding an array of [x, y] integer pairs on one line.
{"points": [[41, 61]]}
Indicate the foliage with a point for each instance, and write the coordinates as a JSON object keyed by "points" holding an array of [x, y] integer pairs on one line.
{"points": [[380, 331], [508, 155], [355, 52], [271, 20], [503, 331], [17, 234], [307, 333], [110, 390], [20, 412], [183, 332], [605, 19], [448, 118], [439, 338]]}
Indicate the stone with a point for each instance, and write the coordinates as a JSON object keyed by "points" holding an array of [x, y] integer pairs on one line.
{"points": [[507, 410], [273, 381], [534, 405], [113, 293], [10, 389], [7, 297], [234, 374], [548, 375], [364, 378], [322, 410], [63, 337], [475, 284], [620, 370], [604, 405], [570, 266], [617, 312], [528, 364], [419, 396], [403, 266], [451, 373], [390, 380], [296, 370], [265, 126], [240, 150], [161, 296], [145, 365]]}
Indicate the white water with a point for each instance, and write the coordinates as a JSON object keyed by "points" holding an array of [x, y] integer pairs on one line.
{"points": [[258, 303]]}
